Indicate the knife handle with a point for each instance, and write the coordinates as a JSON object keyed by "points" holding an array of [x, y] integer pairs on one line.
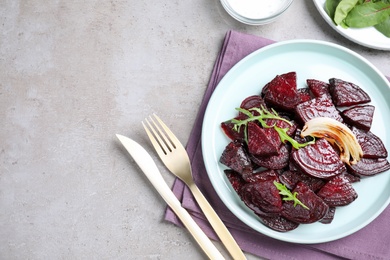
{"points": [[217, 224], [198, 234], [147, 165]]}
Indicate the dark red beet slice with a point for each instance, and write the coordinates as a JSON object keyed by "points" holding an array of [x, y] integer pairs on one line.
{"points": [[291, 178], [273, 136], [318, 160], [247, 103], [303, 94], [369, 167], [262, 175], [328, 218], [228, 129], [261, 142], [236, 158], [318, 88], [346, 93], [254, 101], [264, 90], [317, 207], [279, 223], [359, 116], [235, 179], [290, 77], [317, 107], [282, 93], [338, 192], [275, 162], [351, 178], [371, 144], [262, 196]]}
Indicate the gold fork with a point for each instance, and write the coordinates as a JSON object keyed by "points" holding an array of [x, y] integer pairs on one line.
{"points": [[176, 159]]}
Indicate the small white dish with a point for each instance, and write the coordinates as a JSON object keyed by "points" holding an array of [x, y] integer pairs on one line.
{"points": [[368, 37], [256, 12]]}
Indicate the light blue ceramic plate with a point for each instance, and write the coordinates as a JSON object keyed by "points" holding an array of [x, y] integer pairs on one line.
{"points": [[310, 59]]}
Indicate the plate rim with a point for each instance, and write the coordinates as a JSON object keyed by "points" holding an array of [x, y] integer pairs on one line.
{"points": [[279, 235], [344, 32]]}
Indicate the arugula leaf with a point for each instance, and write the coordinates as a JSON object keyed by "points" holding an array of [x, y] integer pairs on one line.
{"points": [[265, 114], [368, 14], [289, 195], [285, 137]]}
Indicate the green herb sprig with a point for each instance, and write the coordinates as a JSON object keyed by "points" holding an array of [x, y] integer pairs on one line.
{"points": [[285, 137], [289, 195], [263, 115]]}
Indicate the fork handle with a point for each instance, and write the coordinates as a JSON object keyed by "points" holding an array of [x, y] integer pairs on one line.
{"points": [[198, 234], [217, 224]]}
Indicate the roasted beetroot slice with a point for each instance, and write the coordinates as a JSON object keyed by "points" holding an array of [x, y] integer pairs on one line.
{"points": [[351, 178], [369, 167], [254, 101], [273, 137], [281, 94], [317, 207], [328, 218], [275, 162], [319, 160], [346, 93], [359, 116], [291, 179], [290, 77], [279, 223], [235, 179], [262, 197], [264, 90], [260, 142], [236, 158], [338, 192], [317, 107], [262, 175], [371, 144], [228, 129], [318, 88], [303, 94]]}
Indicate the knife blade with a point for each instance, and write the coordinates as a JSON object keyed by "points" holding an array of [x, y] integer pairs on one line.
{"points": [[149, 168]]}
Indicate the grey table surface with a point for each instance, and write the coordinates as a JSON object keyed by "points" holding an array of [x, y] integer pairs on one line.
{"points": [[74, 73]]}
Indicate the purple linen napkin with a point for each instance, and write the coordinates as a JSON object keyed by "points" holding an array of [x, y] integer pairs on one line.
{"points": [[368, 243]]}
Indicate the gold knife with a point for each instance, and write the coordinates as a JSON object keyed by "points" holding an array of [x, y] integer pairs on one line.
{"points": [[148, 166]]}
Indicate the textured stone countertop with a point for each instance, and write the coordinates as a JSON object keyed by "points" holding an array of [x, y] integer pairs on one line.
{"points": [[75, 73]]}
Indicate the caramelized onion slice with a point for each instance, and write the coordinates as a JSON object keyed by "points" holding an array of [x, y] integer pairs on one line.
{"points": [[337, 134]]}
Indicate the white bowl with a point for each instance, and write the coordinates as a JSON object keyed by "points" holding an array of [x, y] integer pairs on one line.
{"points": [[256, 12]]}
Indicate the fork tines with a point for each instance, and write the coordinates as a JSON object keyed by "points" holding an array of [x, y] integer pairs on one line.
{"points": [[163, 138]]}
